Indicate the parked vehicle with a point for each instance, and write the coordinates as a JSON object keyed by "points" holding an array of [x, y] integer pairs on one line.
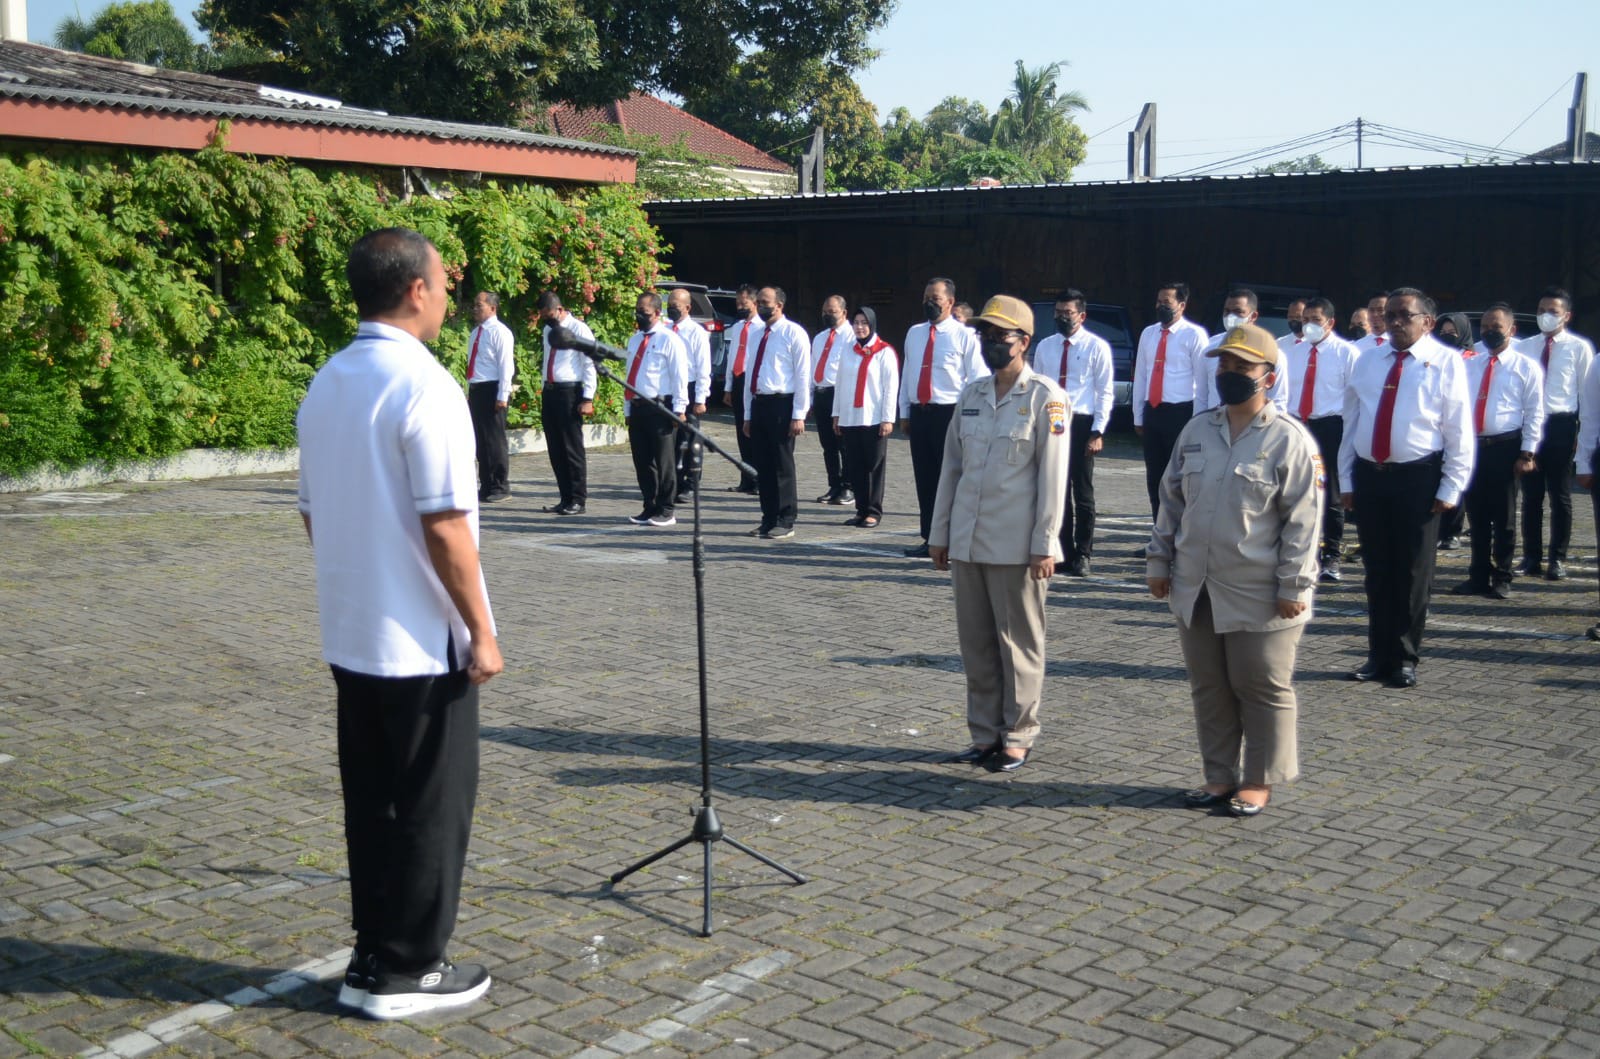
{"points": [[704, 312], [1112, 323]]}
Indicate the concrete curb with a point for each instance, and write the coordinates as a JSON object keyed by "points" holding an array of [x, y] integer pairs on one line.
{"points": [[221, 463]]}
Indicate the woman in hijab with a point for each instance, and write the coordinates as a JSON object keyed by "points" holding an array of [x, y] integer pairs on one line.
{"points": [[865, 401]]}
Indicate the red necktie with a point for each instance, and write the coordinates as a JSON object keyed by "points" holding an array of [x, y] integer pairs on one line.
{"points": [[1544, 361], [761, 351], [1158, 372], [738, 358], [1483, 395], [822, 364], [638, 359], [1383, 428], [925, 379], [1066, 349], [1308, 385], [1381, 340], [863, 370], [472, 361]]}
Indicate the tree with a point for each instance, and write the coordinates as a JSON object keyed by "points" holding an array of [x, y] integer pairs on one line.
{"points": [[1036, 121], [992, 163], [1311, 163], [672, 170], [141, 31]]}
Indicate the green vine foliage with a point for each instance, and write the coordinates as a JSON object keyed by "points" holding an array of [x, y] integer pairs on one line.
{"points": [[157, 302]]}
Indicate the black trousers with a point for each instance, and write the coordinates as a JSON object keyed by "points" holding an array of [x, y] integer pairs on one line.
{"points": [[408, 762], [928, 426], [1329, 432], [835, 460], [1553, 478], [688, 472], [1077, 515], [1162, 424], [563, 433], [652, 437], [1594, 497], [746, 445], [489, 432], [1399, 535], [866, 458], [1491, 501], [772, 450]]}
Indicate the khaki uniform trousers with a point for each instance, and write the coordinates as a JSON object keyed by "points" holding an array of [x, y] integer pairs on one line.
{"points": [[1000, 626], [1242, 684]]}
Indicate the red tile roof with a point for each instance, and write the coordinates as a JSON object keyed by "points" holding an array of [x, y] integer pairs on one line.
{"points": [[640, 114]]}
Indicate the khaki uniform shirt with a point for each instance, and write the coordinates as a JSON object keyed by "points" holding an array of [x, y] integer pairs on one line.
{"points": [[1240, 519], [1004, 477]]}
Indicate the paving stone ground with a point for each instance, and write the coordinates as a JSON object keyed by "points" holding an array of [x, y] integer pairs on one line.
{"points": [[172, 864]]}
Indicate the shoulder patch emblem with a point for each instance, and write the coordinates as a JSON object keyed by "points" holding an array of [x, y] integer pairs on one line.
{"points": [[1057, 411], [1322, 472]]}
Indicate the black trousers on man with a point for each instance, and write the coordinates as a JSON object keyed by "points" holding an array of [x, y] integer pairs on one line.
{"points": [[652, 437], [866, 461], [1162, 425], [489, 432], [1491, 503], [773, 452], [563, 434], [1329, 433], [834, 457], [1552, 477], [408, 762], [688, 471], [928, 426], [746, 445], [1077, 514], [1399, 535]]}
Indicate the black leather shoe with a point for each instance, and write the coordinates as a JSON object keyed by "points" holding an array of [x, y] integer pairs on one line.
{"points": [[1200, 798], [1002, 762], [972, 755], [917, 551], [1556, 571], [555, 509], [1500, 590], [1529, 568], [1078, 568], [1369, 673], [1469, 588], [1404, 677]]}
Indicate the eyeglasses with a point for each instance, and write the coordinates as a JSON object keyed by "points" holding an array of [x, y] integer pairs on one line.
{"points": [[1394, 316]]}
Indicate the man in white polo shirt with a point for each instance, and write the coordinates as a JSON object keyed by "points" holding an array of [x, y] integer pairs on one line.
{"points": [[388, 492]]}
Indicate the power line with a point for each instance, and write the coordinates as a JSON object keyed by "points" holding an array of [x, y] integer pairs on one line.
{"points": [[1535, 110]]}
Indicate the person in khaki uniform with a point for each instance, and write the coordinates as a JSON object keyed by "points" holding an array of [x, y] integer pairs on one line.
{"points": [[996, 524], [1234, 551]]}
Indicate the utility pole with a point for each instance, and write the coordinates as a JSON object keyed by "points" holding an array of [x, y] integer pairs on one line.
{"points": [[1142, 145], [1358, 143], [1578, 121]]}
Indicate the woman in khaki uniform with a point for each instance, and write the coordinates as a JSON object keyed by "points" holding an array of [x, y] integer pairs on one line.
{"points": [[1234, 551]]}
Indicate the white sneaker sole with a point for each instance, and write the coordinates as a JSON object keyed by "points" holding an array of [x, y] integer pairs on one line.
{"points": [[401, 1005], [351, 997]]}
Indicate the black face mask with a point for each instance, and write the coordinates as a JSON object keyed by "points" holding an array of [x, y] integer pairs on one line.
{"points": [[1492, 339], [1066, 328], [1297, 326], [643, 319], [1357, 331], [931, 310], [1235, 388], [674, 313], [830, 321], [997, 353], [1166, 314], [766, 312]]}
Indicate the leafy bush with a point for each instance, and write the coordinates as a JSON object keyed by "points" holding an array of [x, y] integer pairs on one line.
{"points": [[153, 303]]}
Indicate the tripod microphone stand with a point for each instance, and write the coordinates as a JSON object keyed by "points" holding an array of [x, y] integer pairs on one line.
{"points": [[707, 829]]}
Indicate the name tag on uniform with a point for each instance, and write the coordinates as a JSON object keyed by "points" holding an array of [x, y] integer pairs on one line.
{"points": [[971, 412], [1193, 448]]}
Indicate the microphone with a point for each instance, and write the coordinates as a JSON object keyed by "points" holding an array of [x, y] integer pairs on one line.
{"points": [[562, 338]]}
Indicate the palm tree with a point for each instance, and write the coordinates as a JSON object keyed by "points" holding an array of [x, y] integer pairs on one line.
{"points": [[1035, 116]]}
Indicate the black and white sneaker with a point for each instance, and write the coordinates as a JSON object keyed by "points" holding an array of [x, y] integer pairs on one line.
{"points": [[358, 979], [393, 995], [641, 519]]}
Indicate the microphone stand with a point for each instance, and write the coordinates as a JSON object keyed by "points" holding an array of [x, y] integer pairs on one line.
{"points": [[707, 829]]}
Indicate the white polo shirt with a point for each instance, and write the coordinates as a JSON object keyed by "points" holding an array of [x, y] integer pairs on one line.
{"points": [[385, 438]]}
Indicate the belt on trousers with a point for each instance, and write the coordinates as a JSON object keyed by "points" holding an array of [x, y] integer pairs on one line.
{"points": [[1432, 459], [1559, 415], [933, 404], [1499, 439], [553, 385], [768, 396]]}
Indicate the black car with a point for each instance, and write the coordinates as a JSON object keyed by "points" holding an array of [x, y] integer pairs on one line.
{"points": [[1112, 323]]}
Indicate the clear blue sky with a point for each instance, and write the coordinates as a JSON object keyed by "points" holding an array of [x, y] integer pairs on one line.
{"points": [[1228, 81]]}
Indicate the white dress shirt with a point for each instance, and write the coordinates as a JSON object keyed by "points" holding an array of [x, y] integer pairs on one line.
{"points": [[957, 360], [1515, 400], [745, 331], [825, 358], [785, 366], [1589, 419], [697, 344], [1432, 413], [1207, 398], [1185, 364], [568, 365], [870, 375], [385, 438], [1369, 342], [664, 370], [1570, 357], [495, 361], [1088, 375], [1336, 359]]}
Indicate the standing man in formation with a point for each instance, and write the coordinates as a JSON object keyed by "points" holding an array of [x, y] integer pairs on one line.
{"points": [[777, 398], [1406, 458], [568, 399], [741, 349], [1377, 336], [997, 526], [1565, 359], [1241, 307], [864, 414], [1507, 391], [1295, 315], [1589, 453], [658, 373], [1080, 362], [387, 494], [828, 350], [1169, 371], [697, 346], [491, 364], [940, 358], [1320, 363]]}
